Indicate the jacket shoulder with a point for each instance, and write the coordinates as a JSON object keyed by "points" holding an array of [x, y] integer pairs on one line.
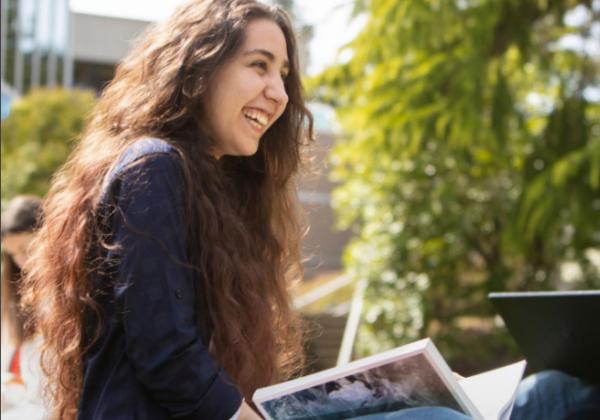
{"points": [[143, 148], [145, 151]]}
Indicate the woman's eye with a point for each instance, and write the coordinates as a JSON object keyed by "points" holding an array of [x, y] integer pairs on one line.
{"points": [[260, 65]]}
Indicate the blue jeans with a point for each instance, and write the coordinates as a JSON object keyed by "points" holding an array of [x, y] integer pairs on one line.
{"points": [[554, 395], [421, 413], [548, 395]]}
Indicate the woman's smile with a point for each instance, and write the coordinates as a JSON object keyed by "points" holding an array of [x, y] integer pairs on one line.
{"points": [[257, 118]]}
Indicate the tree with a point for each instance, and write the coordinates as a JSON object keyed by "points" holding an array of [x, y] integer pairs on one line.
{"points": [[37, 137], [470, 162]]}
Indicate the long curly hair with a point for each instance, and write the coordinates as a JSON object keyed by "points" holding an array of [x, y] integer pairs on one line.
{"points": [[244, 207]]}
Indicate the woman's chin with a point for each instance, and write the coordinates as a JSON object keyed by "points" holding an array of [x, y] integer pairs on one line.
{"points": [[246, 149]]}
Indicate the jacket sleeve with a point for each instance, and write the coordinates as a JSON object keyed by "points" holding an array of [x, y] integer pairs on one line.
{"points": [[155, 292]]}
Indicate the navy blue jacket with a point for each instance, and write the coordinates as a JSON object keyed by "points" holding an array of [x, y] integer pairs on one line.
{"points": [[151, 360]]}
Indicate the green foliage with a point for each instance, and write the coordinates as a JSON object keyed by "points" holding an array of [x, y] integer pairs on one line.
{"points": [[470, 163], [37, 137]]}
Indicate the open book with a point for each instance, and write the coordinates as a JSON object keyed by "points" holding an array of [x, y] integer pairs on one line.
{"points": [[414, 375]]}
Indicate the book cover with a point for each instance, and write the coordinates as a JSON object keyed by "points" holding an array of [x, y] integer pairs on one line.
{"points": [[414, 375]]}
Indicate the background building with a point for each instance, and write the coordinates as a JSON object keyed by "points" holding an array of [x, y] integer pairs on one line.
{"points": [[98, 43], [34, 43], [45, 43]]}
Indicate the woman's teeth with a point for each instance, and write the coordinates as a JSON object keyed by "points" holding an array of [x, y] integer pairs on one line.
{"points": [[257, 118]]}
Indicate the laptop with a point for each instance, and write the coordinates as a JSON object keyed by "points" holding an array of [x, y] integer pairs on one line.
{"points": [[555, 330]]}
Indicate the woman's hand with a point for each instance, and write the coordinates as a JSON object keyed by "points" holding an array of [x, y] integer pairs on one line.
{"points": [[247, 413]]}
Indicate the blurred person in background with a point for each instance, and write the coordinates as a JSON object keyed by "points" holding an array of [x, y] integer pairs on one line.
{"points": [[160, 274], [21, 374]]}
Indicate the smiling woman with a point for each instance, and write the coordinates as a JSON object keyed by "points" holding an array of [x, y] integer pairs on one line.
{"points": [[247, 95], [160, 276]]}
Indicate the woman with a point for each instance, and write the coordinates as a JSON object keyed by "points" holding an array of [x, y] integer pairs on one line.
{"points": [[21, 386], [160, 275]]}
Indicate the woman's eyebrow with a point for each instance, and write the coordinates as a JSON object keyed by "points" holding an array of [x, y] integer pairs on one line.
{"points": [[268, 54]]}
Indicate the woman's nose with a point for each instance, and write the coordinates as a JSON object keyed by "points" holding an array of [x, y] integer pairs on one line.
{"points": [[275, 90]]}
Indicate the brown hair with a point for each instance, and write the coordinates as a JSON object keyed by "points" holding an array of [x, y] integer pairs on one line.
{"points": [[22, 215], [254, 232]]}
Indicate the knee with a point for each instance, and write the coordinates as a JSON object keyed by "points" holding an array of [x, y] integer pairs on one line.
{"points": [[556, 392], [553, 376], [541, 387], [550, 380]]}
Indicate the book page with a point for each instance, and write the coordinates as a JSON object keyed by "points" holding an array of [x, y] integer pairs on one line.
{"points": [[493, 392]]}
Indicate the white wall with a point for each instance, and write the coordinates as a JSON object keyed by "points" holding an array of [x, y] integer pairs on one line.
{"points": [[101, 39]]}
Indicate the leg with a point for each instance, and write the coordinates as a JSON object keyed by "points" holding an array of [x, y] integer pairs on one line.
{"points": [[554, 395], [420, 413]]}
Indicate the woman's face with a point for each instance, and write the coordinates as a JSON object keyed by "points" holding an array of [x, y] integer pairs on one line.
{"points": [[17, 245], [247, 93]]}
